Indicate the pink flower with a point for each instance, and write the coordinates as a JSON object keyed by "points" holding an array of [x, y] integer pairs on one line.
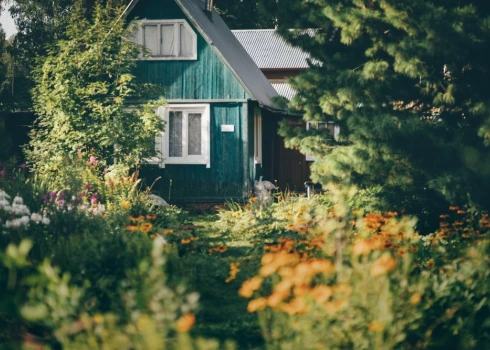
{"points": [[94, 199], [22, 166], [88, 187], [3, 172], [92, 160]]}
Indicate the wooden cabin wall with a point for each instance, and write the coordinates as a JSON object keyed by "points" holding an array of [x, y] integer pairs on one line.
{"points": [[228, 178], [202, 79], [286, 167]]}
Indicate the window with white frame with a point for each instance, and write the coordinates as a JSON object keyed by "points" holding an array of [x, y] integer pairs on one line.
{"points": [[257, 136], [166, 39], [186, 139], [330, 126]]}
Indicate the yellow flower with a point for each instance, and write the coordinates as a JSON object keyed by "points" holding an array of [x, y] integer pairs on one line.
{"points": [[257, 304], [383, 265], [126, 205], [146, 227], [132, 228], [98, 318], [168, 231], [415, 298], [250, 286], [376, 327], [185, 323]]}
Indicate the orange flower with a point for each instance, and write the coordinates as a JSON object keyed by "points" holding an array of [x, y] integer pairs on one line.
{"points": [[146, 227], [185, 323], [151, 217], [430, 263], [257, 304], [221, 249], [383, 265], [453, 207], [321, 266], [250, 286], [168, 231], [185, 241], [132, 228], [334, 306], [376, 327], [361, 247], [137, 218], [296, 306], [321, 293], [444, 216], [415, 298], [277, 297]]}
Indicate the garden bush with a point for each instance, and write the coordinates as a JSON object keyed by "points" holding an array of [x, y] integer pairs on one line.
{"points": [[334, 278]]}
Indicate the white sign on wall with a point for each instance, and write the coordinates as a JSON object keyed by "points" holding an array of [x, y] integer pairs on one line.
{"points": [[227, 128]]}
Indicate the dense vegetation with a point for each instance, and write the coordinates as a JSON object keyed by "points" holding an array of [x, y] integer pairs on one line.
{"points": [[394, 254], [406, 83]]}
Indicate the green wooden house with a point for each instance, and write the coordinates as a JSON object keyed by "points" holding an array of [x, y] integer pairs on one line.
{"points": [[217, 97]]}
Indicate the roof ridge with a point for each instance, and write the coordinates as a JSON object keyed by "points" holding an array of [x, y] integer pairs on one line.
{"points": [[252, 30]]}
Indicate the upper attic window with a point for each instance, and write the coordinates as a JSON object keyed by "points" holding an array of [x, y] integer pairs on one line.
{"points": [[166, 39]]}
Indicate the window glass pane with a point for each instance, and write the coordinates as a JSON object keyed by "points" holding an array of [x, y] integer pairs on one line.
{"points": [[321, 125], [175, 134], [151, 40], [331, 128], [185, 41], [168, 38], [194, 137]]}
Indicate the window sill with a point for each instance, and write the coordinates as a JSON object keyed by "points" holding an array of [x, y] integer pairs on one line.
{"points": [[168, 58]]}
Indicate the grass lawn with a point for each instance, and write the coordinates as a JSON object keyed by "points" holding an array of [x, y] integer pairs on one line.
{"points": [[223, 312]]}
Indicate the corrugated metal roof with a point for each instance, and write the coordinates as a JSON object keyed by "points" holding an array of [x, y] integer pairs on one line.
{"points": [[284, 90], [228, 48], [269, 50]]}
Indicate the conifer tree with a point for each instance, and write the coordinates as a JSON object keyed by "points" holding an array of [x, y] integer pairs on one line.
{"points": [[407, 81]]}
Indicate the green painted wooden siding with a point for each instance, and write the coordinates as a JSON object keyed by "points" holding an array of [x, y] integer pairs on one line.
{"points": [[205, 78], [228, 176]]}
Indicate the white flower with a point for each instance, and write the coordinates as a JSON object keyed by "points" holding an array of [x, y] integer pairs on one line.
{"points": [[20, 209], [3, 195], [7, 208], [45, 221], [24, 220], [3, 202], [8, 224], [36, 218], [18, 200]]}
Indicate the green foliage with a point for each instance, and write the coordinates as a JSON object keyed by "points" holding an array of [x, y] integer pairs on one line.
{"points": [[333, 278], [244, 14], [407, 84], [81, 97]]}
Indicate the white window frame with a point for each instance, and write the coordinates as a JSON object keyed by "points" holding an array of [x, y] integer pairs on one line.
{"points": [[162, 142], [336, 132], [257, 136], [176, 22]]}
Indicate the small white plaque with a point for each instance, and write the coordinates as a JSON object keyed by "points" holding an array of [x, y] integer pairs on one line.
{"points": [[227, 128]]}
